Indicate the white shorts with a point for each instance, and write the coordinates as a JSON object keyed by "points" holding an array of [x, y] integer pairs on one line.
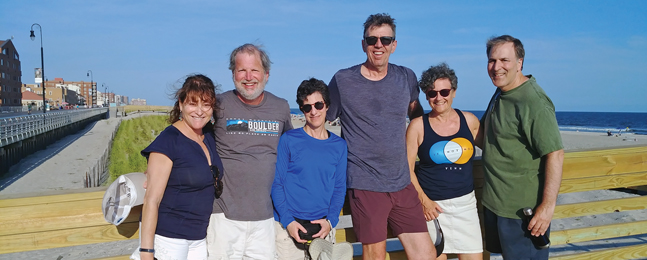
{"points": [[286, 249], [232, 239], [460, 224], [176, 248]]}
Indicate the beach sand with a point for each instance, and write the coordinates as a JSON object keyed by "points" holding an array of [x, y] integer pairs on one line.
{"points": [[573, 141]]}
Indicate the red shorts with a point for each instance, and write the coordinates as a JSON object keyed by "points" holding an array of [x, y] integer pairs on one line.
{"points": [[372, 211]]}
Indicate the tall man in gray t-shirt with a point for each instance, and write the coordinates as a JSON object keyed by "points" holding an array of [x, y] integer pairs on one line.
{"points": [[372, 100], [248, 129]]}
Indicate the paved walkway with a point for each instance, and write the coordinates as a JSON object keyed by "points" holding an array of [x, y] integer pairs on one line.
{"points": [[62, 165]]}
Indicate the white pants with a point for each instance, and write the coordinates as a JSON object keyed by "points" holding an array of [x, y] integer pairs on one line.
{"points": [[176, 249], [231, 239], [285, 247]]}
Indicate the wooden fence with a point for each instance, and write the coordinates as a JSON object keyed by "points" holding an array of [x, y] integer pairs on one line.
{"points": [[96, 175]]}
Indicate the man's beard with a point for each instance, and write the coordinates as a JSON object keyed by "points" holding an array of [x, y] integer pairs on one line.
{"points": [[250, 96]]}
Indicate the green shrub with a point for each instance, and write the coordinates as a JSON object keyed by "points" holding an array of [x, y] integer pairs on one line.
{"points": [[133, 136]]}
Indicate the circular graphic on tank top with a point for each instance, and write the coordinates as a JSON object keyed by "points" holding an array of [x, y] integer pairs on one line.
{"points": [[458, 150]]}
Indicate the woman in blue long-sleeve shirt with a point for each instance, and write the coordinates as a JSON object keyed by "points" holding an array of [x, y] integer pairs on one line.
{"points": [[310, 181]]}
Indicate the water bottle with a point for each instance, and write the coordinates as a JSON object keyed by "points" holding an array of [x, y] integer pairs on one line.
{"points": [[540, 241]]}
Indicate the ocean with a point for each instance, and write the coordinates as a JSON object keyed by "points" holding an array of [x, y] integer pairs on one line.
{"points": [[602, 122]]}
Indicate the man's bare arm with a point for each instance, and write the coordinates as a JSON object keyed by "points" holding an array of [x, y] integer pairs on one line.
{"points": [[415, 110], [544, 212]]}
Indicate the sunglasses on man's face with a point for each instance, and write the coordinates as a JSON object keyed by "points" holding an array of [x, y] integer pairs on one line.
{"points": [[217, 180], [372, 40], [318, 105], [443, 92]]}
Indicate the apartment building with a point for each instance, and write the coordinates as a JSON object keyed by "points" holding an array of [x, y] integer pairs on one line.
{"points": [[138, 102], [10, 75], [75, 93]]}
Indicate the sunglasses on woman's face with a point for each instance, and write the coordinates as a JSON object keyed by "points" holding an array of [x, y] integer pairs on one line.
{"points": [[372, 40], [217, 180], [443, 92], [318, 105]]}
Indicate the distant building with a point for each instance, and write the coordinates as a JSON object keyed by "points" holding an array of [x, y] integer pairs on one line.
{"points": [[10, 75], [31, 97], [82, 91], [138, 102], [30, 88], [111, 97]]}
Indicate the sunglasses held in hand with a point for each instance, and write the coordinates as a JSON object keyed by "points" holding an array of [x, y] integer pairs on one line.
{"points": [[372, 40], [217, 176]]}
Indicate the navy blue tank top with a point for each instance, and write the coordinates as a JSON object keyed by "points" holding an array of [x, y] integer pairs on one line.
{"points": [[445, 169]]}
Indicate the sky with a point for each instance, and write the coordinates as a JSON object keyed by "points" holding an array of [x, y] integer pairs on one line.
{"points": [[586, 55]]}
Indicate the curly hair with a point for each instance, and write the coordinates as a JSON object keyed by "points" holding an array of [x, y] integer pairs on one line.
{"points": [[440, 71], [195, 87], [309, 87], [379, 20]]}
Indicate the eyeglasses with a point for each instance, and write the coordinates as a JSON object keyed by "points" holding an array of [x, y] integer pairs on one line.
{"points": [[372, 40], [318, 105], [217, 176], [443, 92]]}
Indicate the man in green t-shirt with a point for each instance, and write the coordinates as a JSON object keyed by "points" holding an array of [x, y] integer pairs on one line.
{"points": [[522, 155]]}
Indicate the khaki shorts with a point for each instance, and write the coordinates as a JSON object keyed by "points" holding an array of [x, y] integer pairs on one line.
{"points": [[234, 240], [286, 249]]}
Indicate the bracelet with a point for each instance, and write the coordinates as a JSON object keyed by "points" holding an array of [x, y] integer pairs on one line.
{"points": [[145, 250]]}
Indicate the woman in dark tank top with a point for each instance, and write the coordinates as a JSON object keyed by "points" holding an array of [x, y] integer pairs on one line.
{"points": [[443, 140]]}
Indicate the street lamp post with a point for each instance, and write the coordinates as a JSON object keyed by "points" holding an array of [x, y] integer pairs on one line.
{"points": [[94, 92], [105, 93], [42, 61]]}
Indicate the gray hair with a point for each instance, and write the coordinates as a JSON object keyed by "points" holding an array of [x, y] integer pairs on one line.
{"points": [[440, 71], [250, 49], [379, 20]]}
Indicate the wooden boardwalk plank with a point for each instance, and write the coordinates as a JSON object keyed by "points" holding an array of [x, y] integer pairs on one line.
{"points": [[67, 237], [51, 199], [56, 216], [599, 207], [626, 252], [603, 182], [559, 237]]}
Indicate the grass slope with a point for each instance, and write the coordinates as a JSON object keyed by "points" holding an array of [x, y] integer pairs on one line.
{"points": [[133, 136]]}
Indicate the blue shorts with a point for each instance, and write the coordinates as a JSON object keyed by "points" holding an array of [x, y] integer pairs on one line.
{"points": [[510, 237]]}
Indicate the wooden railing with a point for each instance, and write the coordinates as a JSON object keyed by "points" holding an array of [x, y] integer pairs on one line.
{"points": [[72, 219]]}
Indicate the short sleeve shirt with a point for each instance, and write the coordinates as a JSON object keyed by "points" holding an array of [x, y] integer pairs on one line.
{"points": [[247, 137], [373, 116], [520, 128], [187, 202]]}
